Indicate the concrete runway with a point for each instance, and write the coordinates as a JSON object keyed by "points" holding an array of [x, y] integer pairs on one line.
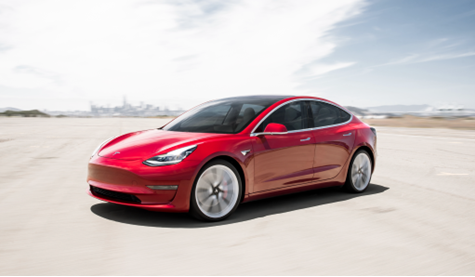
{"points": [[417, 217]]}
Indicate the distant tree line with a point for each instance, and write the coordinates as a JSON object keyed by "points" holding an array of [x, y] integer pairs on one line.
{"points": [[31, 113]]}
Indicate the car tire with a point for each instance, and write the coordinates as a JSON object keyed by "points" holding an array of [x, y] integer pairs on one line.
{"points": [[359, 172], [216, 192]]}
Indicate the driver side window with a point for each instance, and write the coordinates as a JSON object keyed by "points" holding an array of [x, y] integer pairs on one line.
{"points": [[292, 116]]}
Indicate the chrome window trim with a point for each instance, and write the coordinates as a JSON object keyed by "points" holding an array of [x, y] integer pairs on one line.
{"points": [[306, 129]]}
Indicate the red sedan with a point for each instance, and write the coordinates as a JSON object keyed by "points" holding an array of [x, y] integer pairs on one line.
{"points": [[229, 151]]}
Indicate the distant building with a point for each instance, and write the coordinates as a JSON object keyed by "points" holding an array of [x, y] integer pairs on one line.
{"points": [[129, 110], [444, 110]]}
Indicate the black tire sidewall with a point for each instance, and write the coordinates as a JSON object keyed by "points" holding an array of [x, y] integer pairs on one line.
{"points": [[195, 210]]}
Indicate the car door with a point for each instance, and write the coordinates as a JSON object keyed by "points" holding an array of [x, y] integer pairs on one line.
{"points": [[287, 159], [333, 139]]}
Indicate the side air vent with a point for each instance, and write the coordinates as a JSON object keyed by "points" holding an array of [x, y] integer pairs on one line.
{"points": [[114, 195]]}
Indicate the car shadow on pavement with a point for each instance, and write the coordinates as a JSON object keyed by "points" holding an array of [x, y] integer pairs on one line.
{"points": [[246, 211]]}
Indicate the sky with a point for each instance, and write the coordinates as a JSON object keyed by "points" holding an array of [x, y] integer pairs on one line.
{"points": [[64, 55]]}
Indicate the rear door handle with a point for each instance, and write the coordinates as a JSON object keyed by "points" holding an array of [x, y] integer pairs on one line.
{"points": [[346, 135], [307, 139]]}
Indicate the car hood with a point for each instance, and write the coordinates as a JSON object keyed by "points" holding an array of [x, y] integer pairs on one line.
{"points": [[143, 145]]}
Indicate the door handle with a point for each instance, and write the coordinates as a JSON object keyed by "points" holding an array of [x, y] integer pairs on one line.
{"points": [[307, 139], [346, 135]]}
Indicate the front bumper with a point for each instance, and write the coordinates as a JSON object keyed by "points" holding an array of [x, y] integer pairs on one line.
{"points": [[168, 207], [115, 177]]}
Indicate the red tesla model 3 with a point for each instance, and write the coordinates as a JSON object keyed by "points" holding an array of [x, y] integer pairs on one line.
{"points": [[233, 150]]}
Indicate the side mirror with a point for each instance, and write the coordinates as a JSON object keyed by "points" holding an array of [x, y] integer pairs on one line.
{"points": [[274, 129]]}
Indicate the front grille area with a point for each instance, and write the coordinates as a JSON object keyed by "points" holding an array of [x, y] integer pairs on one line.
{"points": [[114, 195]]}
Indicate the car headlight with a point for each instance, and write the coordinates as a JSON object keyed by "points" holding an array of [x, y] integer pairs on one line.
{"points": [[172, 157], [100, 146]]}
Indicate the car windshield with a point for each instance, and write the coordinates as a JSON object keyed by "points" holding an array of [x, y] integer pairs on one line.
{"points": [[225, 116]]}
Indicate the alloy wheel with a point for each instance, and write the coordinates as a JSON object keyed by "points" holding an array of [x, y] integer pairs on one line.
{"points": [[361, 171], [217, 191]]}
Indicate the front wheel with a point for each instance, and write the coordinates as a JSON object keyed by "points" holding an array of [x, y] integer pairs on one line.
{"points": [[359, 172], [216, 191]]}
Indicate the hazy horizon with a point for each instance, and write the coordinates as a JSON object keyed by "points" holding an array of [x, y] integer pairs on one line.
{"points": [[62, 55], [416, 107]]}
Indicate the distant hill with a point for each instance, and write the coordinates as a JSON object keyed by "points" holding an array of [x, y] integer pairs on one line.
{"points": [[398, 108], [356, 111], [9, 109], [32, 113]]}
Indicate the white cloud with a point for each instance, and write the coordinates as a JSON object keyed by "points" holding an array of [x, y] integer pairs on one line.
{"points": [[408, 59], [160, 50], [437, 42], [320, 68], [446, 56], [418, 58]]}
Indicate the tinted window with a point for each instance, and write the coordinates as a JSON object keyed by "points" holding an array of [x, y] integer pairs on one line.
{"points": [[325, 114], [344, 116], [230, 115], [247, 114], [294, 116]]}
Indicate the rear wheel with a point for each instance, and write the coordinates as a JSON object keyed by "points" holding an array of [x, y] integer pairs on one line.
{"points": [[359, 172], [216, 191]]}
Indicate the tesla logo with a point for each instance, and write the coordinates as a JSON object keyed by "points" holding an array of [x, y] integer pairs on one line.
{"points": [[116, 153]]}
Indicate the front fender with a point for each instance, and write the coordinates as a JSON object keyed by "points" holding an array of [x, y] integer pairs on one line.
{"points": [[229, 147]]}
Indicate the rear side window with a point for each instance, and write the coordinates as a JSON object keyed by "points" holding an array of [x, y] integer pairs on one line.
{"points": [[325, 114], [344, 116], [293, 116]]}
